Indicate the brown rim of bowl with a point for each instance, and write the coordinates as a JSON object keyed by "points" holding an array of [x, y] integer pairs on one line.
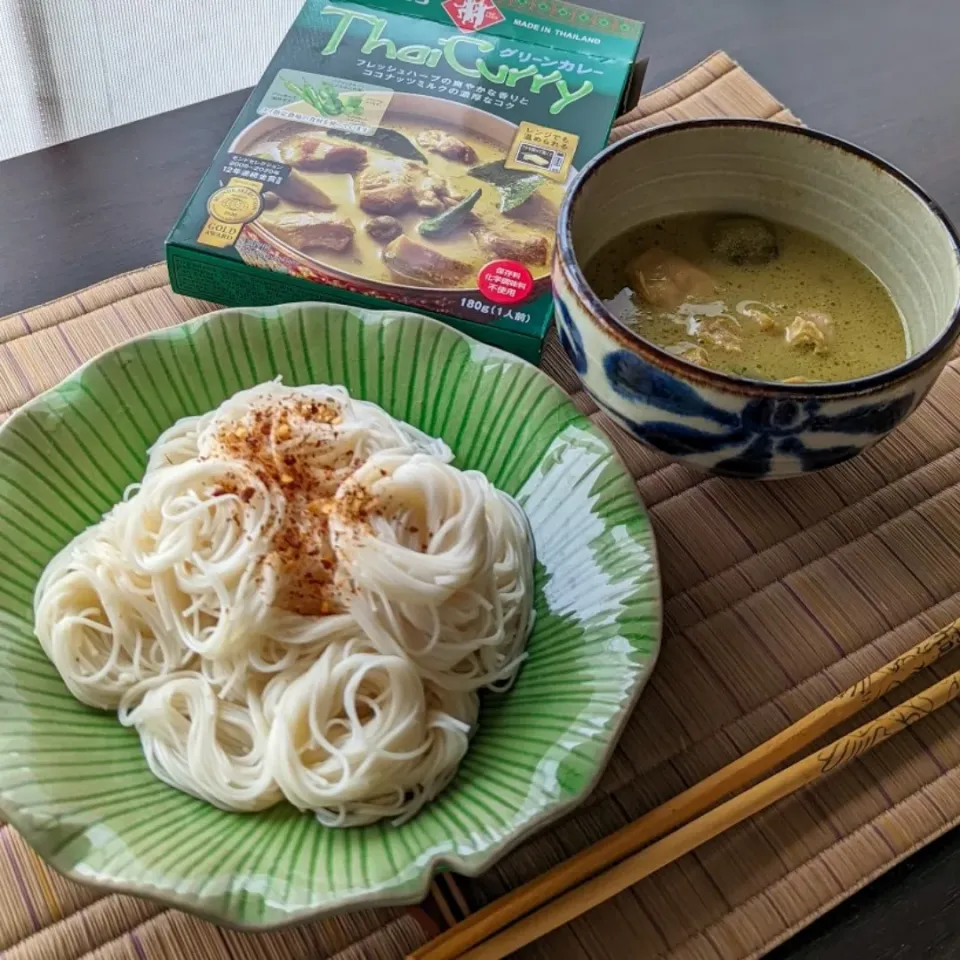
{"points": [[574, 274]]}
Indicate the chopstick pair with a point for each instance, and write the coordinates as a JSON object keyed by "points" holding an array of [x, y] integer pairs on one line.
{"points": [[611, 865]]}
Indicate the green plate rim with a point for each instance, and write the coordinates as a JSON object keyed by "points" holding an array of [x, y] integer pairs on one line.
{"points": [[374, 896]]}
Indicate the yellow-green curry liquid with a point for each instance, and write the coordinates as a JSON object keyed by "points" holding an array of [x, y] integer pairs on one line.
{"points": [[809, 274]]}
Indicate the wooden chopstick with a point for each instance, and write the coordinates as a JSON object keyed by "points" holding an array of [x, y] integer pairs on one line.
{"points": [[691, 803], [628, 872]]}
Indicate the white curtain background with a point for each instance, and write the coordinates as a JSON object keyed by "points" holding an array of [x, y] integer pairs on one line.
{"points": [[73, 67]]}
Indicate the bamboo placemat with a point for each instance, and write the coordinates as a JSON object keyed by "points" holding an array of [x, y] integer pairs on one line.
{"points": [[776, 596]]}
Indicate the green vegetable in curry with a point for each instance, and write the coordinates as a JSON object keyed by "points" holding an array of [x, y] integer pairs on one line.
{"points": [[449, 219], [514, 186], [383, 138]]}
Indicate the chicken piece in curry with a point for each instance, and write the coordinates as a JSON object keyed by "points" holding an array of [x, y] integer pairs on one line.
{"points": [[504, 241], [447, 145], [748, 297], [416, 261], [299, 190], [393, 185], [403, 206], [314, 151], [313, 231]]}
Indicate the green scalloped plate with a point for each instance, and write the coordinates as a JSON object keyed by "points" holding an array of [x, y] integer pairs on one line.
{"points": [[75, 783]]}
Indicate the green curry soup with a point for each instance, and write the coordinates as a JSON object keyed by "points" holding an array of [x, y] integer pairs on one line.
{"points": [[750, 298], [366, 194]]}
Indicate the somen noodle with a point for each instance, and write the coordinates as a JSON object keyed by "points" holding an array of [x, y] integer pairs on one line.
{"points": [[301, 599]]}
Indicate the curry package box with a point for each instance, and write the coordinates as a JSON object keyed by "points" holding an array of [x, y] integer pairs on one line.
{"points": [[409, 153]]}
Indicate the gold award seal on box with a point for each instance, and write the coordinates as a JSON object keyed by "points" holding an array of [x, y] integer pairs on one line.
{"points": [[229, 208]]}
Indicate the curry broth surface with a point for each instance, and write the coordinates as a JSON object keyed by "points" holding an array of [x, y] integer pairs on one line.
{"points": [[362, 258], [809, 274]]}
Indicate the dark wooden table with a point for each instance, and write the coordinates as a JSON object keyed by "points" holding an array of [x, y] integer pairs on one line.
{"points": [[880, 72]]}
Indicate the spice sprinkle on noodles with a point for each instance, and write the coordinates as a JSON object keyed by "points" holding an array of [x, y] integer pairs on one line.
{"points": [[300, 600]]}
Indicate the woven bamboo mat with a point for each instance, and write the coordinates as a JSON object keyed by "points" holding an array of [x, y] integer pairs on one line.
{"points": [[776, 597]]}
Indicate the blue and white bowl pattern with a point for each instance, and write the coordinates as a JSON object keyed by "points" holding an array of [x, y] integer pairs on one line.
{"points": [[728, 433], [723, 424]]}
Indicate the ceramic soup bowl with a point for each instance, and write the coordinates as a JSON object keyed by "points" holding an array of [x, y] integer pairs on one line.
{"points": [[730, 425]]}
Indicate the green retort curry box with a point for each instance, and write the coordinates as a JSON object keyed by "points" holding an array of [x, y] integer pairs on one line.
{"points": [[409, 153]]}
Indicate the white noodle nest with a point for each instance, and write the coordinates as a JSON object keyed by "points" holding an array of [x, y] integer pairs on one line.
{"points": [[173, 611]]}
